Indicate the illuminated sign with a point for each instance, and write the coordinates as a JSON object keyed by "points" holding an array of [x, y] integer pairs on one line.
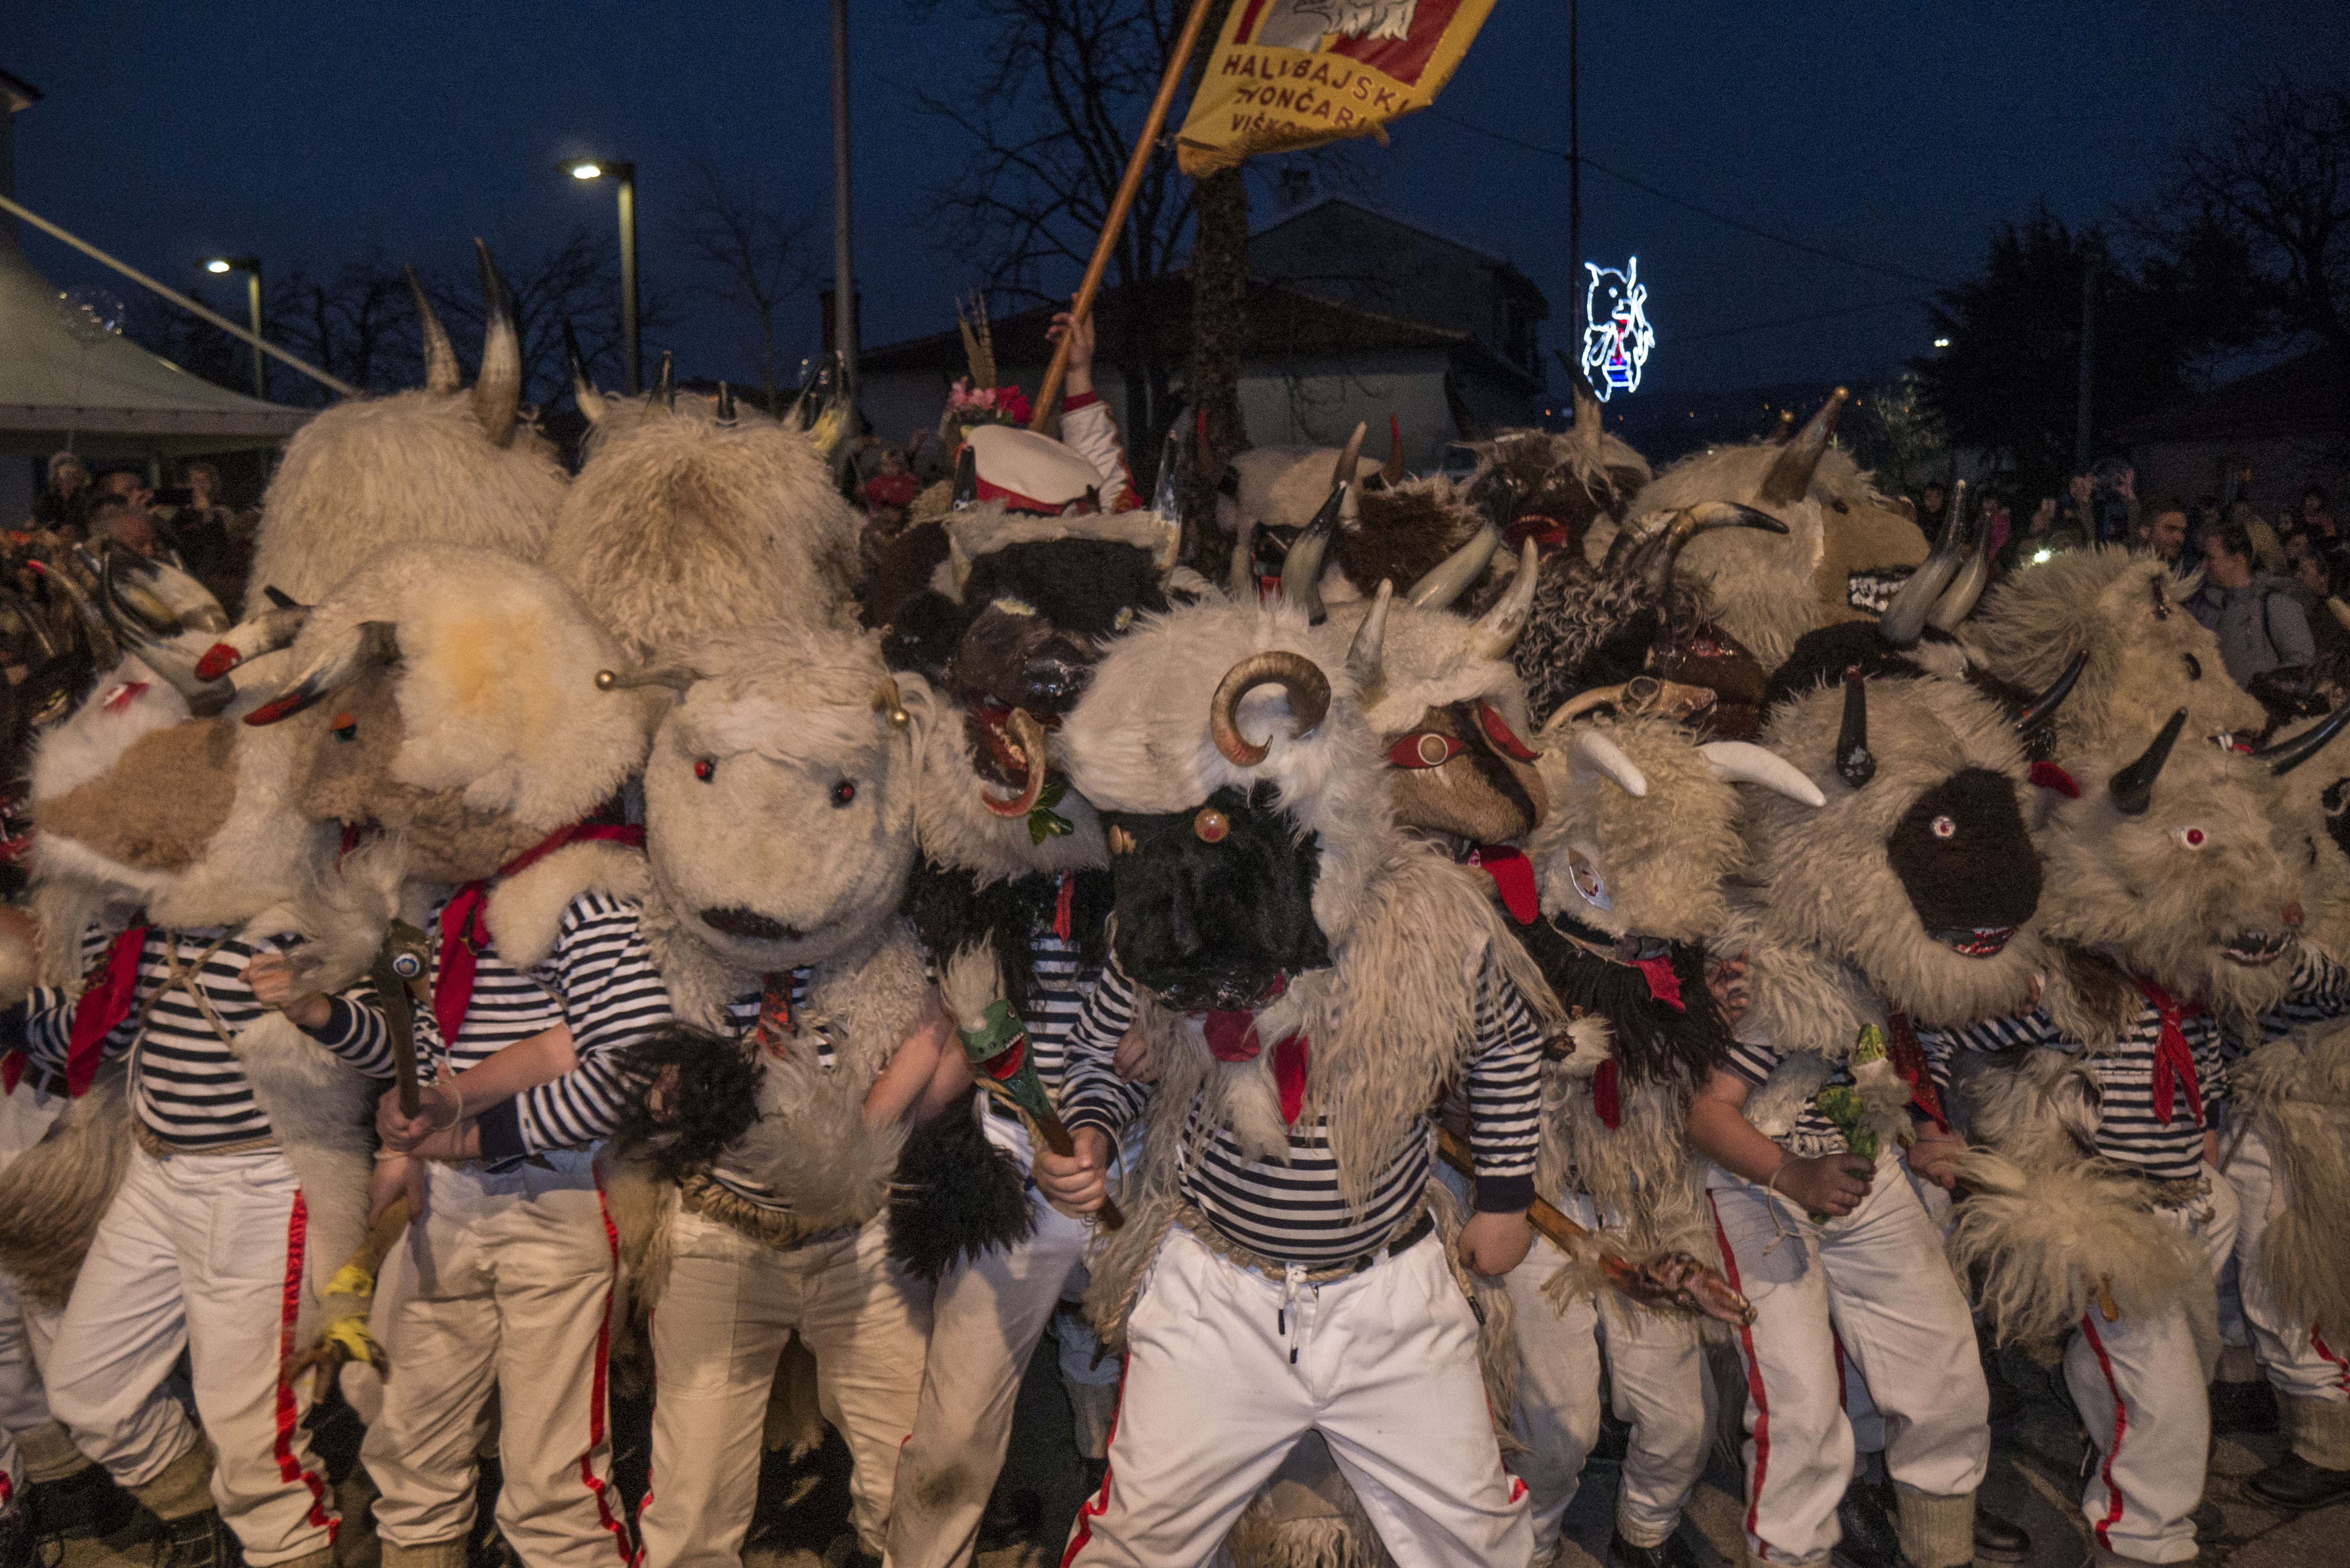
{"points": [[1616, 336]]}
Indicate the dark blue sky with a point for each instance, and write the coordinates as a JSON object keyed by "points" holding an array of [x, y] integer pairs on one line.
{"points": [[1898, 133]]}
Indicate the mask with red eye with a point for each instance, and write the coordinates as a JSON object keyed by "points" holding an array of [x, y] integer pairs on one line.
{"points": [[1505, 740], [1425, 749]]}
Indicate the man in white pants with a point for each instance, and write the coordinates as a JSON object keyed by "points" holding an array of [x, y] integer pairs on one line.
{"points": [[1656, 1373], [1872, 1279], [2310, 1373]]}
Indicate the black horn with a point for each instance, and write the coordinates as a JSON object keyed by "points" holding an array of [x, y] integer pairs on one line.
{"points": [[1855, 762], [2133, 787], [966, 480], [2294, 750], [2038, 712]]}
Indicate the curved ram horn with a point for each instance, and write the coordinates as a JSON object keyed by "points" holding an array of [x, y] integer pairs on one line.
{"points": [[1855, 762], [253, 636], [2133, 787], [1029, 736], [2294, 750], [1366, 656], [676, 677], [1300, 677], [1654, 557], [497, 390], [1966, 589], [1594, 753], [1451, 577], [441, 371], [1791, 473], [1392, 471], [1497, 630], [370, 642], [583, 390], [726, 402], [2041, 709], [664, 391], [1742, 762], [1582, 702], [1904, 621], [103, 647]]}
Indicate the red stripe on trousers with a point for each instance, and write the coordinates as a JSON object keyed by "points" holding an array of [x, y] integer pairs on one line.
{"points": [[2342, 1367], [588, 1475], [1754, 1390], [2121, 1426], [289, 1310], [1094, 1507]]}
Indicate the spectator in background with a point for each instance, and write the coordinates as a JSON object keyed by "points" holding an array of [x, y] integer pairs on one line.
{"points": [[132, 527], [2045, 535], [2258, 619], [1931, 500], [1995, 517], [2268, 550], [62, 504], [2163, 530], [2315, 518], [199, 531]]}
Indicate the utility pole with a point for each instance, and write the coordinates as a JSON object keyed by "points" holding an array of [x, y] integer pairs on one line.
{"points": [[844, 283]]}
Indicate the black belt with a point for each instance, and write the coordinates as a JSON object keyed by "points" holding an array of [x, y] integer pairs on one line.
{"points": [[1401, 1245]]}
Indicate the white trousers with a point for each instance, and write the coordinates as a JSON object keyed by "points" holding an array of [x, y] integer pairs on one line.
{"points": [[1656, 1369], [1226, 1370], [506, 1282], [1876, 1284], [205, 1253], [2139, 1384], [27, 1330], [2300, 1361], [730, 1307]]}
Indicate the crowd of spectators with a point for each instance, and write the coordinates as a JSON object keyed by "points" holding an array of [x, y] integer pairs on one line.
{"points": [[192, 525]]}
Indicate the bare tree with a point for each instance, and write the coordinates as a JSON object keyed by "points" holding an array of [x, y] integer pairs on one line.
{"points": [[356, 324], [755, 258], [2276, 182]]}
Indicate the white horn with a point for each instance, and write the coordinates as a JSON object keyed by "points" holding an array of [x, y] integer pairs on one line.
{"points": [[1503, 625], [1597, 753], [1742, 762]]}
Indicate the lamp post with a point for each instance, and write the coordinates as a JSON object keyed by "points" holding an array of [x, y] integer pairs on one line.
{"points": [[251, 268], [632, 346]]}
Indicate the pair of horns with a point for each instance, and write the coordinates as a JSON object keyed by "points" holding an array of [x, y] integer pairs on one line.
{"points": [[1856, 764], [1301, 569], [1738, 762], [2132, 788], [368, 645], [1945, 588], [2289, 753], [1791, 473], [497, 392], [1491, 637], [1301, 680]]}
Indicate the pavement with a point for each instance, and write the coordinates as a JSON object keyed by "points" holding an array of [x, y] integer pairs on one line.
{"points": [[803, 1515]]}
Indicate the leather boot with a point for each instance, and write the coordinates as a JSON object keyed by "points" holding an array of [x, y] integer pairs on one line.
{"points": [[1673, 1552], [19, 1546], [1999, 1540], [1871, 1539], [2316, 1471], [86, 1505], [198, 1540]]}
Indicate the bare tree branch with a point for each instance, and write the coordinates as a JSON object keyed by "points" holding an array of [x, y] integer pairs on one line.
{"points": [[755, 258]]}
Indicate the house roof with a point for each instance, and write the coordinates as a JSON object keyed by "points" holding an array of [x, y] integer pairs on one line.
{"points": [[1501, 265], [1283, 323], [2307, 395]]}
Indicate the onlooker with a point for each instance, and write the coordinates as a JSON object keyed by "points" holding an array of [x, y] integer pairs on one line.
{"points": [[2315, 518], [1995, 517], [132, 527], [2046, 534], [1931, 500], [62, 505], [2259, 621], [199, 531], [2163, 530]]}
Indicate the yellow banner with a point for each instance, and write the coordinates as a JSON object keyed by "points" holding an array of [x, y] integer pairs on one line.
{"points": [[1288, 74]]}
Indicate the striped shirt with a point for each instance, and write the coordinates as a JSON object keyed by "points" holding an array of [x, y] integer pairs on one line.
{"points": [[2129, 1129], [600, 981], [1294, 1211], [1813, 1132], [186, 1083]]}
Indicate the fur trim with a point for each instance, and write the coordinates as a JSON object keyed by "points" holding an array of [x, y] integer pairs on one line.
{"points": [[982, 530], [411, 468], [956, 1197], [644, 1208], [2100, 601], [1662, 859], [526, 909], [2294, 1096], [680, 525], [53, 1195]]}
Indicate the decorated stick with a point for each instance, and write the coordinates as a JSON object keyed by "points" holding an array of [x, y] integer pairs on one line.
{"points": [[399, 988], [1673, 1280], [347, 1338], [996, 1042], [1177, 60]]}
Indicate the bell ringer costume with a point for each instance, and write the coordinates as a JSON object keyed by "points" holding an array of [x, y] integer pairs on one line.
{"points": [[203, 1247]]}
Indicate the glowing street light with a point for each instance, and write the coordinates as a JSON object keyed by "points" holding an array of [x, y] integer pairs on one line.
{"points": [[585, 171], [250, 265], [1941, 343]]}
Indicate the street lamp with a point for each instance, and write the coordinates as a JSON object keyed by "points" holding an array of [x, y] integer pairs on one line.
{"points": [[250, 265], [590, 169]]}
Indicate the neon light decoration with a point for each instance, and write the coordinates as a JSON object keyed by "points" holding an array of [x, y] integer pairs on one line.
{"points": [[1616, 336]]}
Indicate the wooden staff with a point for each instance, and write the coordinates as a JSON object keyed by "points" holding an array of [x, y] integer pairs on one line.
{"points": [[1557, 1229], [1050, 392]]}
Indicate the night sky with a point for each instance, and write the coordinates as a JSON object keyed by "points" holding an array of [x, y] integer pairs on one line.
{"points": [[1897, 134]]}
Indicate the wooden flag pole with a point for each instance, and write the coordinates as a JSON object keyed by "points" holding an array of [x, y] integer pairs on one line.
{"points": [[1050, 392]]}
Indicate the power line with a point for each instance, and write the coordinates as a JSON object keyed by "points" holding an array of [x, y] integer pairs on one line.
{"points": [[1704, 212]]}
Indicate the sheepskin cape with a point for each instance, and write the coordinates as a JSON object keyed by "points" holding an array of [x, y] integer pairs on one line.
{"points": [[2293, 1095]]}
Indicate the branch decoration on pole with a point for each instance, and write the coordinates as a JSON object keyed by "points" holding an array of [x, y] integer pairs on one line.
{"points": [[1617, 337]]}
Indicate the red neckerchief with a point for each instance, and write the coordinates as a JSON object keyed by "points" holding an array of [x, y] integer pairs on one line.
{"points": [[1065, 907], [107, 1000], [1607, 1096], [1513, 878], [1664, 985], [464, 927], [1231, 1033], [2173, 1064], [1908, 1059], [775, 1030]]}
